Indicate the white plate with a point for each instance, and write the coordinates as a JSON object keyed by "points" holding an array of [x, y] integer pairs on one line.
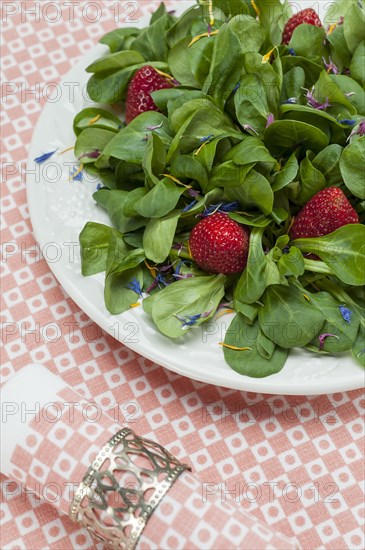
{"points": [[60, 208]]}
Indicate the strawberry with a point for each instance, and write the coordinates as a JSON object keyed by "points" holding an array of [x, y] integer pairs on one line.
{"points": [[308, 16], [219, 244], [324, 213], [139, 100]]}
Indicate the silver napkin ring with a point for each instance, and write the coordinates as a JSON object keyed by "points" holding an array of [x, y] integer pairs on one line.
{"points": [[122, 488]]}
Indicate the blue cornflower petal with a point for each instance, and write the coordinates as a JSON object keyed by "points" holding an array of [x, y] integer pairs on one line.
{"points": [[206, 138], [44, 157], [222, 207], [189, 320], [135, 286], [347, 121], [230, 206], [346, 313], [189, 206], [78, 176]]}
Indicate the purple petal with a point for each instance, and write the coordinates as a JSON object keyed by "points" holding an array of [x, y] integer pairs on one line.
{"points": [[322, 338]]}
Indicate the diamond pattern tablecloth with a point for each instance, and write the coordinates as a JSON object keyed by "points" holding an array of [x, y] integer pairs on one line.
{"points": [[294, 462]]}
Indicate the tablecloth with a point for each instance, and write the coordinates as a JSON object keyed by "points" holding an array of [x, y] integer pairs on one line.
{"points": [[294, 462]]}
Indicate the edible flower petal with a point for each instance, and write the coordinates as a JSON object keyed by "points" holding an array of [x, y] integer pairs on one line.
{"points": [[346, 313], [44, 157], [330, 66], [312, 102], [76, 175], [135, 286], [322, 338], [270, 120], [190, 206]]}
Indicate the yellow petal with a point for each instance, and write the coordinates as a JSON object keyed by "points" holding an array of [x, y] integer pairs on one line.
{"points": [[235, 348], [204, 34], [80, 168], [168, 76], [176, 180], [68, 149], [93, 120], [223, 312], [254, 5], [267, 56]]}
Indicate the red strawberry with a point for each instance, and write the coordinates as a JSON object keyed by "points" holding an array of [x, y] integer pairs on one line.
{"points": [[139, 100], [219, 244], [307, 16], [324, 213]]}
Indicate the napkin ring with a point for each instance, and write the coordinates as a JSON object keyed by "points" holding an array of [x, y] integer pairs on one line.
{"points": [[122, 488]]}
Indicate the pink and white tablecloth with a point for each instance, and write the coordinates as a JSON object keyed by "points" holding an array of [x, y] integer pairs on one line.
{"points": [[294, 462]]}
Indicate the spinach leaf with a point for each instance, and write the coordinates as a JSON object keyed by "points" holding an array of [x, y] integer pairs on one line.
{"points": [[159, 236], [174, 306], [189, 167], [335, 324], [162, 97], [119, 39], [252, 362], [273, 16], [311, 69], [310, 42], [250, 150], [115, 62], [152, 42], [225, 70], [328, 163], [254, 192], [293, 84], [354, 27], [94, 243], [352, 166], [154, 159], [349, 86], [340, 54], [292, 263], [255, 219], [357, 69], [358, 348], [130, 143], [91, 140], [98, 118], [163, 197], [326, 88], [287, 318], [343, 251], [251, 104], [132, 199], [287, 174], [229, 175], [122, 268], [283, 136], [312, 180], [260, 272], [113, 202]]}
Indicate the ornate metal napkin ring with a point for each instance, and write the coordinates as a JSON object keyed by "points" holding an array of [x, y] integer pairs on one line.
{"points": [[118, 495]]}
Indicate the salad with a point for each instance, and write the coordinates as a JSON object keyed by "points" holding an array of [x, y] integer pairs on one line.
{"points": [[230, 145]]}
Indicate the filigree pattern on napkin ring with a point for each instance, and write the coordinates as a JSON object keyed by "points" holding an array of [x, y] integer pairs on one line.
{"points": [[122, 487]]}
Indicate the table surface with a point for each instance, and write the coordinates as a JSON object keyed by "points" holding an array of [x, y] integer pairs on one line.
{"points": [[295, 462]]}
